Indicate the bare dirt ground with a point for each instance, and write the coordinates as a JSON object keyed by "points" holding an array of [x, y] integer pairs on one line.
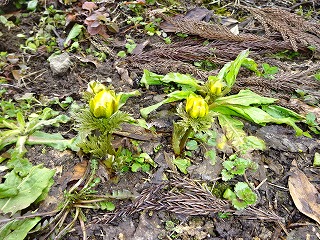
{"points": [[179, 207]]}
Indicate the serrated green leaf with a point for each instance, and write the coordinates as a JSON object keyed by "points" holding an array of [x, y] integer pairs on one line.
{"points": [[18, 229], [30, 188], [55, 140], [226, 175], [182, 164]]}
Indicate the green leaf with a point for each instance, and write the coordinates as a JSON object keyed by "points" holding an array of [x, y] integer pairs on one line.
{"points": [[182, 164], [9, 187], [18, 229], [256, 115], [178, 132], [75, 31], [43, 120], [316, 160], [244, 98], [253, 143], [150, 78], [226, 175], [230, 70], [251, 65], [55, 140], [182, 79], [109, 206], [135, 167], [211, 155], [121, 54], [229, 194], [30, 188], [32, 5], [281, 112], [244, 192], [125, 95], [192, 145], [172, 97], [233, 129]]}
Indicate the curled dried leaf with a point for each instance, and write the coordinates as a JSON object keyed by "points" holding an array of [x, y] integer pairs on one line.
{"points": [[305, 196]]}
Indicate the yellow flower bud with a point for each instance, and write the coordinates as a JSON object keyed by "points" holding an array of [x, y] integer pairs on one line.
{"points": [[196, 106], [215, 86], [95, 87], [104, 103]]}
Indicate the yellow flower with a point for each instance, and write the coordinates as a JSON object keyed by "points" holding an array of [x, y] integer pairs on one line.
{"points": [[95, 87], [215, 87], [196, 106], [104, 103]]}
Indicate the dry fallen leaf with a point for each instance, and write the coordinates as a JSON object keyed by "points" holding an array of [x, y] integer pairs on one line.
{"points": [[79, 171], [305, 196]]}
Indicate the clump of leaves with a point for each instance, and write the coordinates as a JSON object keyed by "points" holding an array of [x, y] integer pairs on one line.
{"points": [[134, 162], [97, 121], [241, 196], [246, 104], [50, 20], [21, 131], [236, 166], [98, 20], [269, 71]]}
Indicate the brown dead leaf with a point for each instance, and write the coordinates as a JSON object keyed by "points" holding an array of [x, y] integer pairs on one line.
{"points": [[79, 170], [305, 196]]}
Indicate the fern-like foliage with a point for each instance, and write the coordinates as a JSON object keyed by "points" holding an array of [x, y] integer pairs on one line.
{"points": [[97, 146], [197, 124], [86, 122]]}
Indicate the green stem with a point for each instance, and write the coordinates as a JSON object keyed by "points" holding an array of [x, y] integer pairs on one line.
{"points": [[111, 150], [185, 138]]}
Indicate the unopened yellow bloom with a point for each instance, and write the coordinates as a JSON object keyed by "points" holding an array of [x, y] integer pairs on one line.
{"points": [[196, 106], [215, 87], [95, 87], [104, 103]]}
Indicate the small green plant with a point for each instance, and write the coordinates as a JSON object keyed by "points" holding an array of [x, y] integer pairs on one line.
{"points": [[317, 76], [50, 20], [130, 46], [134, 162], [246, 104], [241, 196], [195, 118], [269, 71], [98, 120], [236, 166], [23, 131]]}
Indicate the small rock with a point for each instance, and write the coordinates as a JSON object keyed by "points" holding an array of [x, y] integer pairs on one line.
{"points": [[60, 64]]}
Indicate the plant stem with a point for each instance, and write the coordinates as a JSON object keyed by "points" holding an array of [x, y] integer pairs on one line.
{"points": [[184, 139]]}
